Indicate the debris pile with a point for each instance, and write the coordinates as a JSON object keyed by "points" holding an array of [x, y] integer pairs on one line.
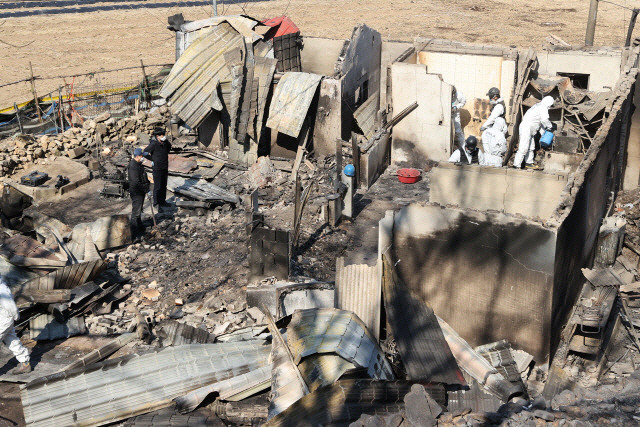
{"points": [[78, 142]]}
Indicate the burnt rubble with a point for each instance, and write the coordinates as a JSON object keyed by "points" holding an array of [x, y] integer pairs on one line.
{"points": [[297, 278]]}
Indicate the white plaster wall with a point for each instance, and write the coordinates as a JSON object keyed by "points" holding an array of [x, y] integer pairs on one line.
{"points": [[603, 68], [319, 55], [474, 75], [426, 132]]}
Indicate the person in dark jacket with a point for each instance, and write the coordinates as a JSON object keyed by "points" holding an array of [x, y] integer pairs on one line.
{"points": [[158, 150], [138, 187]]}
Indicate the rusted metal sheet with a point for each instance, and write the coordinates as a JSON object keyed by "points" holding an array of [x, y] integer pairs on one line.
{"points": [[102, 352], [264, 70], [200, 190], [176, 333], [475, 398], [345, 401], [110, 391], [365, 115], [191, 85], [46, 327], [421, 342], [67, 277], [358, 289], [291, 101], [233, 389], [24, 251], [320, 370], [177, 164]]}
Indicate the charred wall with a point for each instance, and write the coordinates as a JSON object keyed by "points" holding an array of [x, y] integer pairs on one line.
{"points": [[593, 183], [489, 275]]}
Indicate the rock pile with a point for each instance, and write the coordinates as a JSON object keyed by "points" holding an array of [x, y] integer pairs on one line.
{"points": [[20, 151]]}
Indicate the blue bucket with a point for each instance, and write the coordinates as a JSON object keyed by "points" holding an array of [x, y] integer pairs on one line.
{"points": [[546, 139]]}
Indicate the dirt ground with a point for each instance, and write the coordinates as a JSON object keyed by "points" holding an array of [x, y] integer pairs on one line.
{"points": [[67, 44]]}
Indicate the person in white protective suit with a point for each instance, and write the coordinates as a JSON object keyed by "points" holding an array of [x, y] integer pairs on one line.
{"points": [[8, 315], [469, 154], [536, 119], [497, 108], [495, 143], [458, 102]]}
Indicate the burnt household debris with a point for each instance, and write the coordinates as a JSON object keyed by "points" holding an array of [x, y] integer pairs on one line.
{"points": [[320, 259]]}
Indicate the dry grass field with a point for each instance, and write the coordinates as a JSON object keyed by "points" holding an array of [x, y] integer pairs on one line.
{"points": [[66, 44]]}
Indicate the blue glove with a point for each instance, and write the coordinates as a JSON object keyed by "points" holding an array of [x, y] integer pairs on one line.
{"points": [[144, 153], [152, 164]]}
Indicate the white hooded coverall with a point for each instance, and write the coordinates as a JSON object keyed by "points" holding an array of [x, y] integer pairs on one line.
{"points": [[534, 120], [496, 111], [455, 157], [495, 143], [9, 314], [456, 106]]}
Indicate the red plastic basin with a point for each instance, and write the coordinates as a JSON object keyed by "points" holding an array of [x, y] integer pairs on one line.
{"points": [[408, 175]]}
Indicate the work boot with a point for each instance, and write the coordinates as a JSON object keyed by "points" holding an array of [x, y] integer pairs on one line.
{"points": [[22, 368], [532, 166]]}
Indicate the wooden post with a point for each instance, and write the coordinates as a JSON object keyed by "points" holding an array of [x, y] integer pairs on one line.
{"points": [[146, 85], [591, 23], [35, 95], [355, 151], [15, 106]]}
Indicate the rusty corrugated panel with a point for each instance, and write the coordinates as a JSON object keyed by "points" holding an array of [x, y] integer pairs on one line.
{"points": [[365, 115], [233, 389], [132, 385], [359, 290], [345, 401], [176, 333], [320, 370], [473, 398], [191, 85], [67, 277], [264, 70], [500, 356], [421, 342], [291, 100]]}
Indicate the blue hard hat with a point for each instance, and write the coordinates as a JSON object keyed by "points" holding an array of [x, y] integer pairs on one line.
{"points": [[350, 170], [137, 152]]}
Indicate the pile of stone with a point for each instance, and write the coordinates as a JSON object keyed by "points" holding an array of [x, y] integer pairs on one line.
{"points": [[21, 150]]}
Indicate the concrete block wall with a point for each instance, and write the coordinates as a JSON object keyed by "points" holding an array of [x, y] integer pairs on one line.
{"points": [[529, 193], [269, 253]]}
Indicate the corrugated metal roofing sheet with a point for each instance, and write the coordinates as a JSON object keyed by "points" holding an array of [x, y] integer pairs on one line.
{"points": [[329, 330], [121, 388], [291, 100], [421, 342], [359, 290], [191, 85], [68, 277], [324, 332], [365, 115]]}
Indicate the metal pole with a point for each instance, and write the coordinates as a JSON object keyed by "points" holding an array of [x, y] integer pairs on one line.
{"points": [[632, 24], [147, 95], [591, 23], [35, 95], [215, 7]]}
